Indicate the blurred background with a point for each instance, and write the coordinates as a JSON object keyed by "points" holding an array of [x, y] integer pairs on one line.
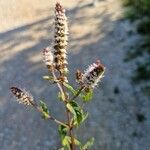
{"points": [[116, 32]]}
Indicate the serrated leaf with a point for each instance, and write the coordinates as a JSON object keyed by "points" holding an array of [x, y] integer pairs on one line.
{"points": [[70, 88], [85, 116], [88, 144], [66, 141], [62, 131], [77, 112], [70, 108]]}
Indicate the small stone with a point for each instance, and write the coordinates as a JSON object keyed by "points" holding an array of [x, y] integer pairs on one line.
{"points": [[116, 90], [140, 117]]}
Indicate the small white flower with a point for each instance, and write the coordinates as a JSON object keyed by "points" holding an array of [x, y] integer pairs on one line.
{"points": [[48, 57]]}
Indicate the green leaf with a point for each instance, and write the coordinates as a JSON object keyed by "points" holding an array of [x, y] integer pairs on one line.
{"points": [[66, 141], [77, 112], [48, 78], [88, 95], [70, 88], [70, 108], [61, 97], [45, 113], [88, 144], [62, 131], [85, 116], [77, 142], [61, 148]]}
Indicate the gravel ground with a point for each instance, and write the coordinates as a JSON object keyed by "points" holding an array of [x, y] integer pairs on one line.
{"points": [[119, 114]]}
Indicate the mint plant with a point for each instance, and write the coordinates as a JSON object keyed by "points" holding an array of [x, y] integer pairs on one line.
{"points": [[74, 100]]}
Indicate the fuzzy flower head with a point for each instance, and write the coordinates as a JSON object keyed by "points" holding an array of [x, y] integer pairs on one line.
{"points": [[23, 97], [48, 57], [93, 75], [60, 39], [79, 76]]}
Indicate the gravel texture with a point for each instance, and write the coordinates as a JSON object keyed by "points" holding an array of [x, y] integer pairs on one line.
{"points": [[119, 113]]}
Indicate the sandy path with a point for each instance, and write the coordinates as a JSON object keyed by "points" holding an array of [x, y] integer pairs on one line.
{"points": [[94, 33]]}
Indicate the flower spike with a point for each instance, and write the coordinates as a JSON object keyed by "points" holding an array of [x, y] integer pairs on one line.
{"points": [[93, 75], [48, 58], [23, 96], [60, 39]]}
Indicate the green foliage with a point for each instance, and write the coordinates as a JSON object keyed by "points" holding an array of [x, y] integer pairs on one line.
{"points": [[62, 131], [88, 95], [131, 14], [70, 88], [66, 142], [64, 138], [88, 144], [140, 9], [45, 113], [144, 27], [61, 148], [56, 63], [61, 97], [77, 112], [137, 8]]}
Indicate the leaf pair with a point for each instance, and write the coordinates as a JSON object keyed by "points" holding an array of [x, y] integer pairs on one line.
{"points": [[78, 115], [65, 139], [85, 96], [87, 145]]}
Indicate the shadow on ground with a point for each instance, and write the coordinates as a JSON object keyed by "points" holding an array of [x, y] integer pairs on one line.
{"points": [[94, 34]]}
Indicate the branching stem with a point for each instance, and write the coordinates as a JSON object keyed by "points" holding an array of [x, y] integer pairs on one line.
{"points": [[78, 93], [38, 108], [66, 100]]}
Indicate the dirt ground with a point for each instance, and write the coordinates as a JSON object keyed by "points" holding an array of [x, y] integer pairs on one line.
{"points": [[119, 114]]}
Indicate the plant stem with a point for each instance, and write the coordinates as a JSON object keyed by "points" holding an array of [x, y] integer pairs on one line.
{"points": [[38, 108], [72, 138], [59, 85], [66, 100], [78, 93], [72, 144]]}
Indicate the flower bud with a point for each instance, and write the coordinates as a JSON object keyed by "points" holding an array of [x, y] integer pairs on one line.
{"points": [[48, 57], [79, 76]]}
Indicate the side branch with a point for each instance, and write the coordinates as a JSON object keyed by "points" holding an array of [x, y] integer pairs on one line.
{"points": [[38, 108]]}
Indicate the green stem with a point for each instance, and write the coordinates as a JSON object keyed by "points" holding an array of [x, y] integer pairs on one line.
{"points": [[78, 93], [72, 144], [50, 117], [66, 100]]}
